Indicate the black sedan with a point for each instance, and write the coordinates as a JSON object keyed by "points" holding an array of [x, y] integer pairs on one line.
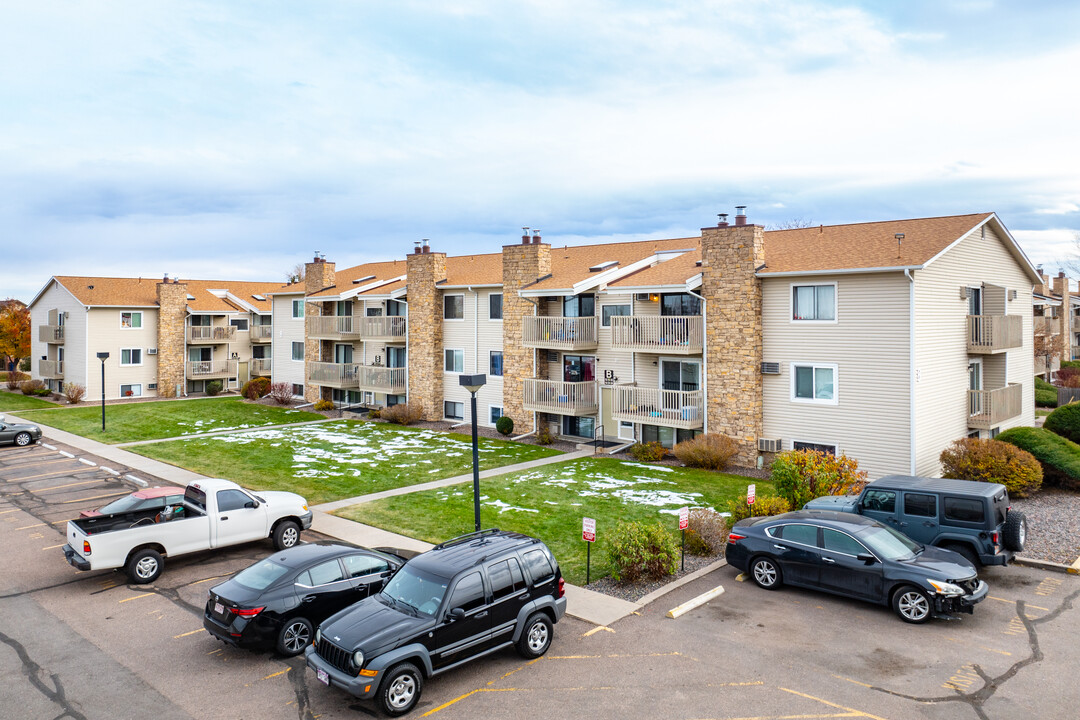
{"points": [[276, 602], [19, 433], [856, 557]]}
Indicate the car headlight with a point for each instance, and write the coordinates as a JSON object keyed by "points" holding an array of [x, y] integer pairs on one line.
{"points": [[946, 588], [318, 635], [358, 659]]}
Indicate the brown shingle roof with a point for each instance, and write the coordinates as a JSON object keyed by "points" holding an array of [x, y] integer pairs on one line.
{"points": [[670, 272], [142, 292], [474, 269], [344, 278], [570, 265]]}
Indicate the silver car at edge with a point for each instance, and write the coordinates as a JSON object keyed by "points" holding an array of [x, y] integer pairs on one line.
{"points": [[18, 433]]}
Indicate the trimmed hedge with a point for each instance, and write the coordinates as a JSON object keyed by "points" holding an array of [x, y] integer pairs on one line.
{"points": [[1070, 363], [1045, 393], [992, 461], [1059, 457], [1065, 421]]}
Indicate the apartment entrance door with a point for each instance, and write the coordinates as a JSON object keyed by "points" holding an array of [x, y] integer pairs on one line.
{"points": [[343, 353]]}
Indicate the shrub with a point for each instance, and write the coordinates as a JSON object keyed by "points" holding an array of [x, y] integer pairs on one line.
{"points": [[1045, 393], [992, 461], [762, 507], [1059, 457], [647, 452], [403, 413], [255, 388], [544, 436], [1070, 363], [213, 387], [711, 451], [323, 405], [374, 413], [505, 425], [1065, 421], [1068, 376], [641, 551], [74, 392], [706, 533], [24, 364], [14, 379], [802, 475], [281, 393], [34, 387]]}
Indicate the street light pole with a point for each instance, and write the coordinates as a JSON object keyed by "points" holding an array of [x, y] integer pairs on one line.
{"points": [[103, 356], [472, 383]]}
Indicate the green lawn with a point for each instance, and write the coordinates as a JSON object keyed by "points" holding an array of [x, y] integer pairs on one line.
{"points": [[1043, 412], [13, 402], [172, 418], [549, 503], [332, 461]]}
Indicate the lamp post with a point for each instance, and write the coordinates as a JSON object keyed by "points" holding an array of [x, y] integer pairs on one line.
{"points": [[472, 383], [103, 356]]}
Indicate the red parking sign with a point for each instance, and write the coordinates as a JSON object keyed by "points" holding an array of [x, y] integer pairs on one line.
{"points": [[684, 518], [588, 529], [751, 493]]}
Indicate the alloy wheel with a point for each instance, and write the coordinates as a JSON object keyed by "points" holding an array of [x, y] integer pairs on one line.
{"points": [[289, 537], [765, 572], [297, 637], [146, 568], [913, 605]]}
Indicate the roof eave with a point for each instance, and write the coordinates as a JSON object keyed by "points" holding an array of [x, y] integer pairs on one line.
{"points": [[839, 271]]}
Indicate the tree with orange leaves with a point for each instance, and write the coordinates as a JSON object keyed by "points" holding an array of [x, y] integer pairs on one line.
{"points": [[14, 331]]}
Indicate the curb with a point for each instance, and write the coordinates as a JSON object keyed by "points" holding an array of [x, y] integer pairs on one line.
{"points": [[1073, 569]]}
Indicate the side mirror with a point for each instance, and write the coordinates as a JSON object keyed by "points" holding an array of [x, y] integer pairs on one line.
{"points": [[866, 558], [457, 614], [251, 504]]}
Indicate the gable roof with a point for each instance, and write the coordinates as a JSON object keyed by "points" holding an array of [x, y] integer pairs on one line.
{"points": [[142, 292], [370, 273], [676, 272], [570, 264]]}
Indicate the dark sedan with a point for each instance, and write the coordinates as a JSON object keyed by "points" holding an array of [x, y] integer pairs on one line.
{"points": [[856, 557], [19, 433], [277, 602]]}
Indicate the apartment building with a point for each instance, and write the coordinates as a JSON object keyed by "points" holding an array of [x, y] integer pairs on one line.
{"points": [[1056, 311], [164, 338]]}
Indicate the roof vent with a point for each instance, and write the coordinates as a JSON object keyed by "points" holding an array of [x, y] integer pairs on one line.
{"points": [[723, 220], [260, 298], [603, 266], [417, 251], [740, 215], [190, 296], [525, 236], [536, 237], [770, 368], [359, 280]]}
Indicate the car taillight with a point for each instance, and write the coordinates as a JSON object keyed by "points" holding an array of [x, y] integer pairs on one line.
{"points": [[247, 612], [733, 537], [994, 538], [85, 547], [562, 588]]}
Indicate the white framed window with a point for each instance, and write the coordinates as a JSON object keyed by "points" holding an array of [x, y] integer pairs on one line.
{"points": [[495, 363], [131, 356], [297, 390], [298, 351], [131, 320], [827, 448], [814, 383], [241, 324], [453, 307], [495, 306], [454, 410], [134, 390], [494, 413], [455, 361], [610, 311], [298, 308], [813, 303]]}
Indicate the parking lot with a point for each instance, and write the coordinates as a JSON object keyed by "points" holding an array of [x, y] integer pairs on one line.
{"points": [[89, 645]]}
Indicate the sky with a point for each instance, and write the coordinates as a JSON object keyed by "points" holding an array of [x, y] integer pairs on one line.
{"points": [[232, 140]]}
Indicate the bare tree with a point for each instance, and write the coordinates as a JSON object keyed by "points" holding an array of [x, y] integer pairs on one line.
{"points": [[296, 274], [792, 224], [1047, 347]]}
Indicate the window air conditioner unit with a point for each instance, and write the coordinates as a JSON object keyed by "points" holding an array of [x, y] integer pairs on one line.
{"points": [[770, 368], [151, 351], [152, 386], [964, 292], [553, 356], [642, 297], [766, 445]]}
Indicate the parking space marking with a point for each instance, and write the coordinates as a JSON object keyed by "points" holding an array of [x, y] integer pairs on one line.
{"points": [[962, 679], [981, 647], [193, 632], [47, 462], [1048, 586], [462, 697], [53, 547], [27, 527], [215, 652], [216, 577], [841, 677], [69, 485], [5, 512], [1016, 627], [34, 477], [137, 597], [1006, 600], [96, 497], [597, 629], [855, 713], [277, 674]]}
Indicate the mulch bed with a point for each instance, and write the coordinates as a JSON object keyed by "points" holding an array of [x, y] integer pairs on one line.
{"points": [[633, 592]]}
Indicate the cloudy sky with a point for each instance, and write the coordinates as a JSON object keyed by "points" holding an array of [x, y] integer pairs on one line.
{"points": [[233, 139]]}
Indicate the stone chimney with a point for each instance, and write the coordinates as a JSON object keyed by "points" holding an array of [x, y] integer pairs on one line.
{"points": [[318, 275], [172, 317], [522, 265], [424, 269], [730, 256], [1061, 287]]}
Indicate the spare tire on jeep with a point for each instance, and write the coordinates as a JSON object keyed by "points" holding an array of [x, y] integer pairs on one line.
{"points": [[1014, 532]]}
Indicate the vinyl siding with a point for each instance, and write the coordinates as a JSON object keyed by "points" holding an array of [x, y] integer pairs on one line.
{"points": [[106, 334], [477, 335], [287, 330], [75, 365]]}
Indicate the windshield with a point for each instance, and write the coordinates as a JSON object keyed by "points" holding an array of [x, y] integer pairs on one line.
{"points": [[889, 544], [261, 575], [416, 590]]}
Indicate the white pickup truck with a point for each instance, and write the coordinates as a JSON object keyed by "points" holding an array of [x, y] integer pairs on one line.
{"points": [[214, 514]]}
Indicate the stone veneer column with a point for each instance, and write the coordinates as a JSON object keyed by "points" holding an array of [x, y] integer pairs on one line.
{"points": [[172, 314], [1061, 287], [522, 265], [730, 257], [318, 275], [425, 361]]}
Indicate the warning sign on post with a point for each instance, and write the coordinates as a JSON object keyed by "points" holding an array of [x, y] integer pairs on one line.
{"points": [[684, 518], [751, 492], [588, 529]]}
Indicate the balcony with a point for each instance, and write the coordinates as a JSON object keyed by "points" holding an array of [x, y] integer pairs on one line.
{"points": [[260, 367], [994, 333], [1075, 324], [669, 334], [382, 379], [561, 398], [390, 328], [1045, 325], [206, 335], [1040, 364], [51, 369], [988, 408], [210, 369], [344, 376], [558, 333], [262, 333], [683, 409], [51, 333]]}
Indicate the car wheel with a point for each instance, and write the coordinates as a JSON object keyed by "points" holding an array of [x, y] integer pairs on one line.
{"points": [[23, 439], [1014, 534], [294, 636], [911, 604], [766, 573], [967, 552], [536, 637], [144, 566], [286, 534], [400, 690]]}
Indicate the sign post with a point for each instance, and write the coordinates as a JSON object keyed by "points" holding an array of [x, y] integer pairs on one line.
{"points": [[751, 494], [588, 534], [684, 522]]}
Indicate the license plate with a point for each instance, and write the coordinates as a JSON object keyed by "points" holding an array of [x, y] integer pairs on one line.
{"points": [[219, 608], [323, 677]]}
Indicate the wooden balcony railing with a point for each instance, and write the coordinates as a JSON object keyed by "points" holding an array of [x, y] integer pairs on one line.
{"points": [[1075, 325], [206, 369], [53, 369], [260, 367], [383, 327], [202, 335], [994, 333], [337, 375], [262, 333], [558, 333], [561, 398], [382, 379], [1044, 325], [1040, 364], [987, 408], [670, 334], [334, 327], [668, 408], [51, 333]]}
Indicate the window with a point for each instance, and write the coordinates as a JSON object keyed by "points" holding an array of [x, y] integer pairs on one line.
{"points": [[360, 565], [454, 410], [469, 593], [395, 308], [134, 390], [455, 361], [813, 383], [495, 306], [802, 534], [298, 351], [506, 578], [579, 305], [610, 311], [131, 320], [881, 500], [920, 505], [297, 390], [815, 303], [131, 356], [680, 304], [231, 500], [298, 308], [453, 307], [666, 436], [820, 447], [494, 413], [963, 510], [495, 363], [241, 324], [842, 542], [374, 312], [323, 574], [539, 566]]}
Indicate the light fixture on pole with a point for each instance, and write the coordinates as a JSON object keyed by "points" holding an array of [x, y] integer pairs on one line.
{"points": [[472, 383], [103, 356]]}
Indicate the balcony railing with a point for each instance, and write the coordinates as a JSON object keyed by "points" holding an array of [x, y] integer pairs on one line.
{"points": [[262, 333], [668, 408], [51, 333], [205, 369], [561, 398], [558, 333], [337, 375], [994, 333], [200, 334], [334, 327], [385, 327], [1040, 364], [670, 334], [1075, 324], [260, 367], [1047, 325], [382, 379], [53, 369], [987, 408]]}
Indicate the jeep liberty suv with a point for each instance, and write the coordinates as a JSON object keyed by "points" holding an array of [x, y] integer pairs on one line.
{"points": [[466, 598]]}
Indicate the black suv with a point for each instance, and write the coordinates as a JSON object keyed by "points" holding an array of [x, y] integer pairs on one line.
{"points": [[468, 597]]}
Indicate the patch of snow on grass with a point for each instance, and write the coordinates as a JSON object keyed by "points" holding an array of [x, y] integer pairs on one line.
{"points": [[504, 507], [658, 468]]}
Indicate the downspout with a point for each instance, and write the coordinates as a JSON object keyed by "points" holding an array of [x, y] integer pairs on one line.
{"points": [[704, 368], [407, 353], [536, 308], [911, 363]]}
